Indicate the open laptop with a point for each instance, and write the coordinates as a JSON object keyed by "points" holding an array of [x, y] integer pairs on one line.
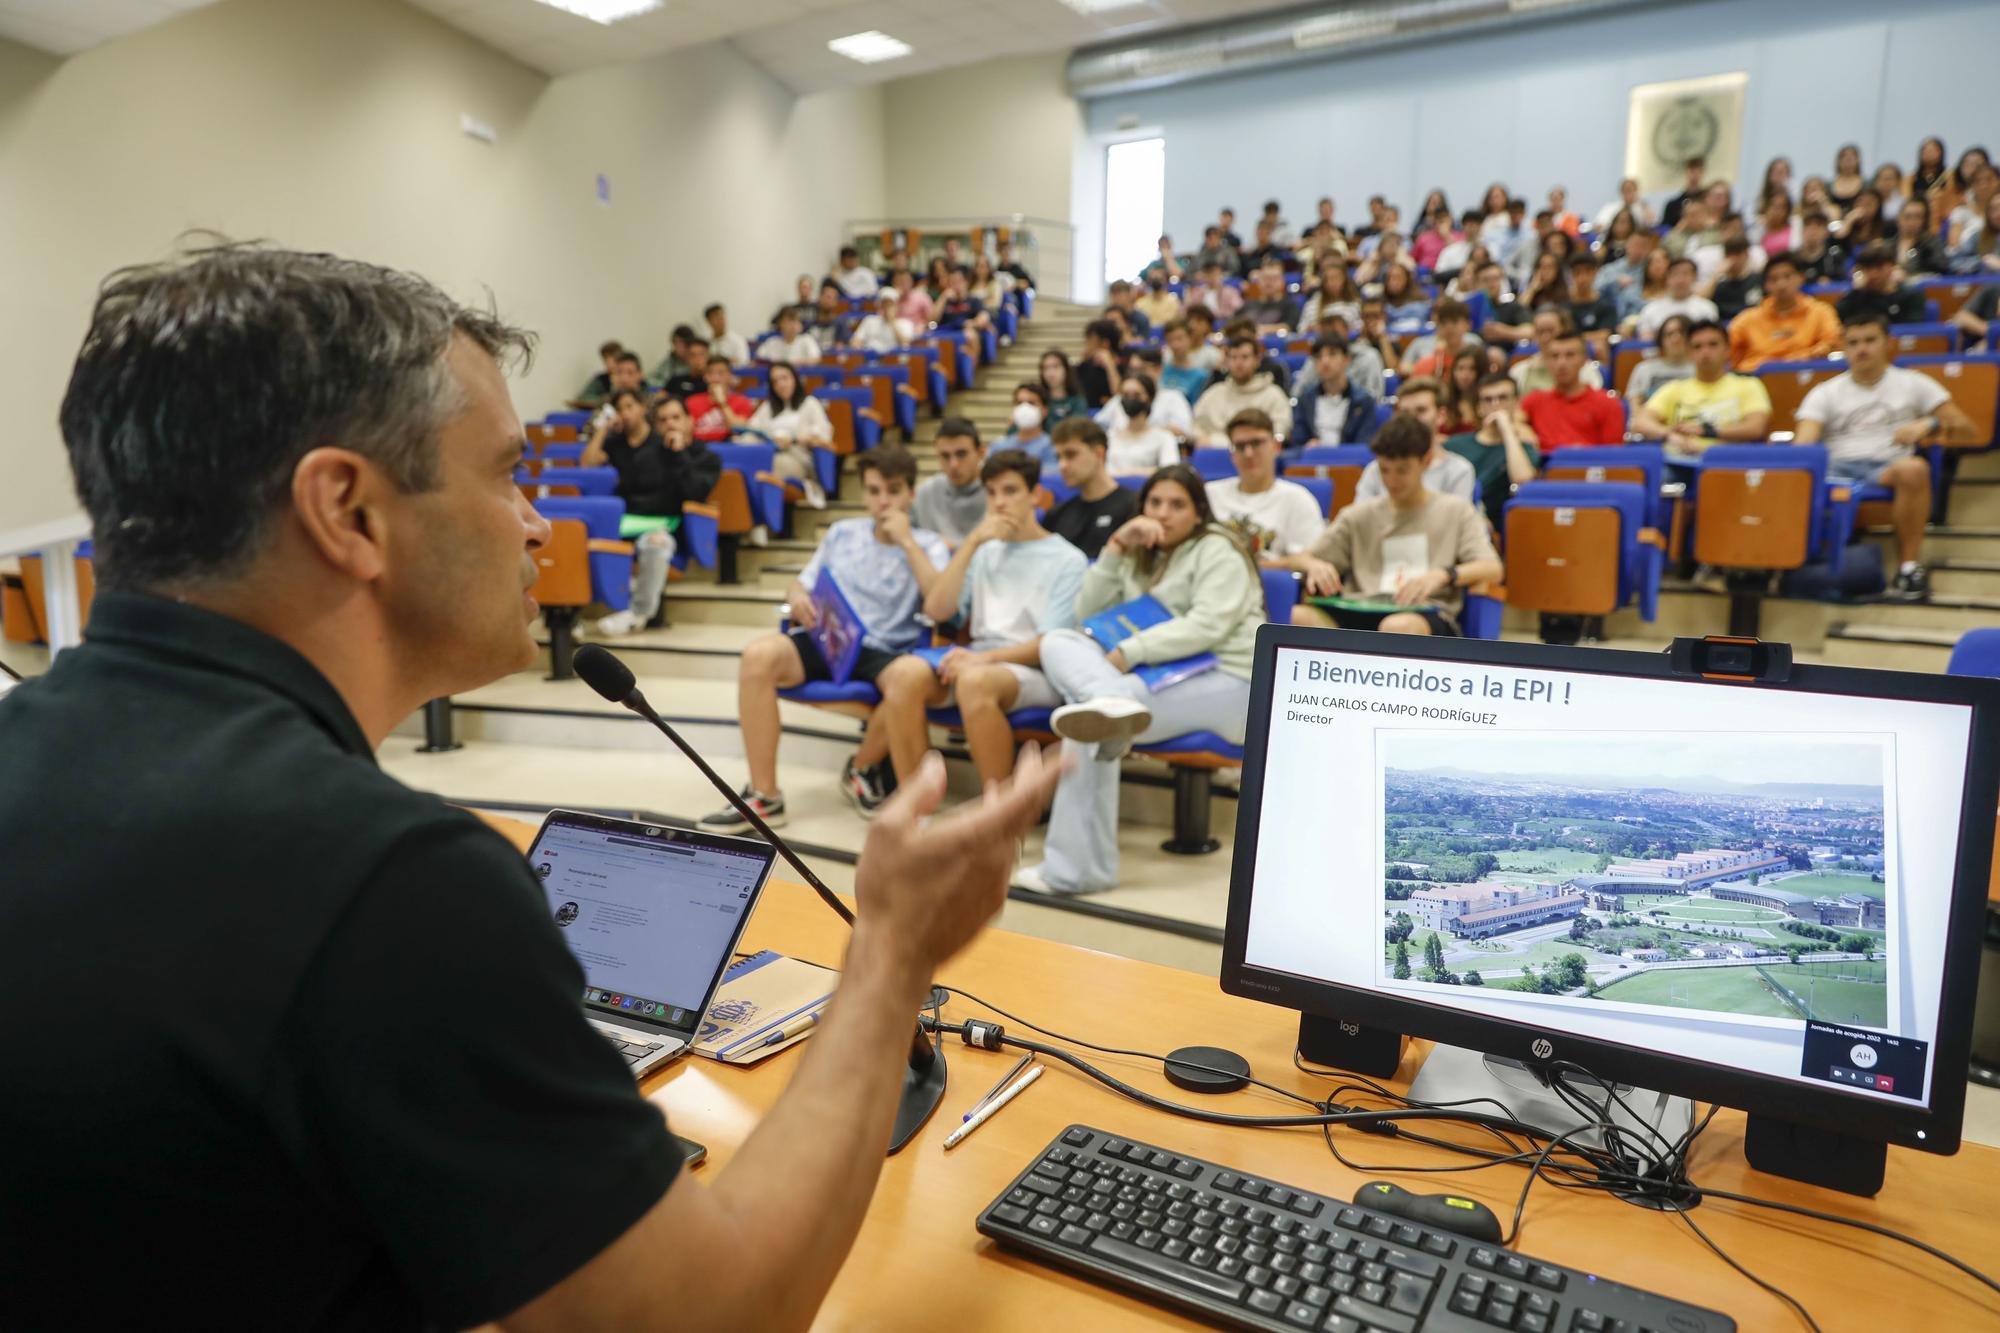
{"points": [[653, 914]]}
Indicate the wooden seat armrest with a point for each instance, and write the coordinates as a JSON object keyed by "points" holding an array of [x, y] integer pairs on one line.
{"points": [[703, 508], [608, 546]]}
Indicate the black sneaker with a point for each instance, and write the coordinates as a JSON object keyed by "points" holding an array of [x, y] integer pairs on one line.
{"points": [[771, 809], [1914, 583], [863, 788]]}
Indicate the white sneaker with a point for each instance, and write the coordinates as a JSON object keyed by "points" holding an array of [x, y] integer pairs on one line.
{"points": [[1109, 721], [815, 495], [619, 623], [1030, 877], [759, 536]]}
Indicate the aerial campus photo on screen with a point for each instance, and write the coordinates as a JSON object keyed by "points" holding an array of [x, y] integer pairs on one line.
{"points": [[1729, 873]]}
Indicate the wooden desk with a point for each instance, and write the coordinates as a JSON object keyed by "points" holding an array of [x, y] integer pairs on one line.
{"points": [[919, 1264]]}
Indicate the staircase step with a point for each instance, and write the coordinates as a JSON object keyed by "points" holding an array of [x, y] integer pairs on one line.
{"points": [[1888, 647], [1967, 578], [1974, 501]]}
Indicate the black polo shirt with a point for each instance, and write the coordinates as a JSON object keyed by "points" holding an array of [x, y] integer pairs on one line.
{"points": [[286, 1044]]}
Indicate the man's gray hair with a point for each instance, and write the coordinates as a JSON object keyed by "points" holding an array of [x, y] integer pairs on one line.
{"points": [[204, 380]]}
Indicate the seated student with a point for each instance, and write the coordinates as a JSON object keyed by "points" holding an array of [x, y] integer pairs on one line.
{"points": [[1501, 450], [1172, 412], [951, 501], [830, 325], [1276, 519], [1497, 316], [883, 330], [1710, 407], [1168, 266], [1181, 369], [692, 379], [1532, 373], [1444, 472], [1244, 387], [913, 303], [598, 389], [1121, 300], [963, 313], [884, 566], [1407, 304], [795, 421], [804, 303], [659, 470], [1176, 553], [1570, 412], [1872, 419], [1431, 353], [1100, 506], [1098, 370], [1010, 582], [1137, 446], [1027, 428], [1332, 409], [720, 408], [1011, 266], [1268, 306], [1735, 286], [675, 362], [1680, 299], [1593, 310], [1669, 361], [1058, 380], [1821, 257], [1875, 290], [730, 346], [1786, 325], [1976, 318], [1210, 290], [856, 280], [1370, 544], [1158, 305], [625, 376]]}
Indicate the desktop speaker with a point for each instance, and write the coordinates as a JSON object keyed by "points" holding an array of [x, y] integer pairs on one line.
{"points": [[1343, 1043]]}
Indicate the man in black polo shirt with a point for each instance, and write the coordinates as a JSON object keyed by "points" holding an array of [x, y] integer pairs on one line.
{"points": [[287, 1044], [1875, 291]]}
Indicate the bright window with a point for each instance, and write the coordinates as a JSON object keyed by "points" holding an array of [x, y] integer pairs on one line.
{"points": [[1135, 201]]}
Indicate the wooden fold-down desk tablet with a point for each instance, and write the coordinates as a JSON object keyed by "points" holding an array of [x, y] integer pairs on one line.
{"points": [[919, 1265]]}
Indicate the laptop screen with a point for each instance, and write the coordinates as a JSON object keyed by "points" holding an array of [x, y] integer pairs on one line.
{"points": [[651, 913]]}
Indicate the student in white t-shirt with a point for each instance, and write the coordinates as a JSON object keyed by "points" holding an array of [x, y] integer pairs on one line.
{"points": [[1872, 419], [791, 343], [1137, 447], [1010, 581], [1277, 519]]}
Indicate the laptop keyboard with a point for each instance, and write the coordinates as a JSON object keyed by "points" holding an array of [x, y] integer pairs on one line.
{"points": [[633, 1051]]}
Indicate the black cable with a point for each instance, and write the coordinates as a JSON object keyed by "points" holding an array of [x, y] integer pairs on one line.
{"points": [[1665, 1180], [1726, 1258]]}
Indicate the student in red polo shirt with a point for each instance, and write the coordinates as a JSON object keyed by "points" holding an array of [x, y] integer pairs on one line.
{"points": [[1572, 413], [720, 410]]}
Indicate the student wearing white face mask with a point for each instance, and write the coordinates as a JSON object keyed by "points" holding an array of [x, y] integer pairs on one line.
{"points": [[1027, 429]]}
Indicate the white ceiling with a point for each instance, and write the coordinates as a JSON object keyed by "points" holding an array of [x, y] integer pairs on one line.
{"points": [[786, 37], [64, 27]]}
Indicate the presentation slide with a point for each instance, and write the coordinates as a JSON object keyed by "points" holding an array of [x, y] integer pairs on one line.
{"points": [[650, 923], [1758, 879]]}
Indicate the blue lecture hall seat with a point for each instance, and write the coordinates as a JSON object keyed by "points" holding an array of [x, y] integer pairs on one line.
{"points": [[1213, 463], [1557, 534], [1977, 653], [562, 453], [607, 556]]}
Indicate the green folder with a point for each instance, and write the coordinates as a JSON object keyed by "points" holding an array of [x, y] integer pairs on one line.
{"points": [[637, 525], [1363, 612]]}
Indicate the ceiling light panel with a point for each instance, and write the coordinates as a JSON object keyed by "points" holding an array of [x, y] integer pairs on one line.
{"points": [[869, 48], [606, 12]]}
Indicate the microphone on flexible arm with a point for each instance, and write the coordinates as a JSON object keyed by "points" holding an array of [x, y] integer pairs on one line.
{"points": [[924, 1078]]}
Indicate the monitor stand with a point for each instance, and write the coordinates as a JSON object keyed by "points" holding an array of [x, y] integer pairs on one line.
{"points": [[1452, 1074]]}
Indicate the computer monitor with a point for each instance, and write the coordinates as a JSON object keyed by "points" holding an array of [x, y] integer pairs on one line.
{"points": [[1760, 892]]}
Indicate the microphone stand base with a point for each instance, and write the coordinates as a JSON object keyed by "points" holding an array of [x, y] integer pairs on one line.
{"points": [[923, 1090]]}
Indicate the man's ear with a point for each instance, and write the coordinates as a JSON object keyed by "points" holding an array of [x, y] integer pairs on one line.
{"points": [[337, 502]]}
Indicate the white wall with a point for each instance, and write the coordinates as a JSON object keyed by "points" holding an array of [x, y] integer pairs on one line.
{"points": [[1546, 105], [986, 140], [336, 126]]}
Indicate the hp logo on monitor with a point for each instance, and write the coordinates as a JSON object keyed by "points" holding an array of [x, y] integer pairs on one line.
{"points": [[1543, 1048]]}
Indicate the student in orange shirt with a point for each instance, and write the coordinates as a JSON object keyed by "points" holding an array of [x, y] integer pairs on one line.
{"points": [[1785, 325]]}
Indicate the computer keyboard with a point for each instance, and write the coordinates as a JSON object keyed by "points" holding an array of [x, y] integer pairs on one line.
{"points": [[633, 1051], [1245, 1252]]}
